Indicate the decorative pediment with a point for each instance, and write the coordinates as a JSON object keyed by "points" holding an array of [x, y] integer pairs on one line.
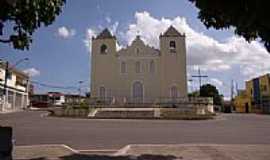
{"points": [[139, 49]]}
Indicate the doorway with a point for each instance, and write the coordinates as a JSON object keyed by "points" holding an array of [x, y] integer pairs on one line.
{"points": [[246, 108]]}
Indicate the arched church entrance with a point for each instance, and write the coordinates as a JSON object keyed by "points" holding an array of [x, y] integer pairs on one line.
{"points": [[137, 92]]}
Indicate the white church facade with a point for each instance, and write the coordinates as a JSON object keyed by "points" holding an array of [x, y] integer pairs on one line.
{"points": [[139, 73]]}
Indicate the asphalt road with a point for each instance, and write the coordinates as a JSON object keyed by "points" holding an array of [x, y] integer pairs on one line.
{"points": [[31, 129]]}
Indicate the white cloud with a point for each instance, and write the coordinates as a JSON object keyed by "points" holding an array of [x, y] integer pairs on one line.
{"points": [[108, 19], [65, 32], [32, 72], [202, 50], [205, 51], [90, 33], [216, 82], [113, 28]]}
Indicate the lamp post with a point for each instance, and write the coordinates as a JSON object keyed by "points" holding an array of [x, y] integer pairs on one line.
{"points": [[80, 83]]}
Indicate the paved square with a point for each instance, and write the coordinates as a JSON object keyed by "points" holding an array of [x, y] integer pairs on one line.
{"points": [[30, 128]]}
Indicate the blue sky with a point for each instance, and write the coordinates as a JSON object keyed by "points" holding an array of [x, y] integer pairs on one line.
{"points": [[59, 55]]}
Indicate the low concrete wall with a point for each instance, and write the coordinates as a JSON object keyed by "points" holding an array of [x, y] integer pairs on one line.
{"points": [[151, 113], [178, 111], [70, 112], [125, 114]]}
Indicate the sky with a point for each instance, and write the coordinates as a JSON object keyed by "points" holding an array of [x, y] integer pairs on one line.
{"points": [[59, 56]]}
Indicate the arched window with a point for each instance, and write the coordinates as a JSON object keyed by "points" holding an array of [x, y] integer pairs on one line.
{"points": [[138, 67], [174, 92], [137, 51], [103, 49], [172, 45], [137, 92], [152, 66], [123, 67], [102, 93]]}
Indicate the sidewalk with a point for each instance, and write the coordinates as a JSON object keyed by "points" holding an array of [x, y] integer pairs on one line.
{"points": [[147, 152]]}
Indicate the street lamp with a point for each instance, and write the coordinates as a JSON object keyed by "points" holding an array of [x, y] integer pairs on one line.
{"points": [[80, 83]]}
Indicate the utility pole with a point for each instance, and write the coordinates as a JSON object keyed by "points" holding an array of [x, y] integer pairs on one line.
{"points": [[191, 87], [4, 94], [199, 76], [236, 87], [232, 94], [232, 90], [6, 78]]}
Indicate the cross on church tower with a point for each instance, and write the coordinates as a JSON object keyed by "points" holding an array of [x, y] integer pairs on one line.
{"points": [[199, 76], [138, 33]]}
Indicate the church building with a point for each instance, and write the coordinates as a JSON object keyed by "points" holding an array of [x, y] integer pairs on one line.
{"points": [[139, 73]]}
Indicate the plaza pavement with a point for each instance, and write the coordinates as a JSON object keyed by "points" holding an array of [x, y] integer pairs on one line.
{"points": [[30, 128], [148, 152], [251, 132]]}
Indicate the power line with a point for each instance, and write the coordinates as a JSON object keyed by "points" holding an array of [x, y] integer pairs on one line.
{"points": [[54, 86]]}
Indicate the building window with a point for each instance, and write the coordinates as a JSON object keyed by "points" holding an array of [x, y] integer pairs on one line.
{"points": [[137, 51], [102, 93], [264, 88], [138, 67], [152, 66], [123, 67], [103, 49], [172, 46], [9, 75], [174, 92]]}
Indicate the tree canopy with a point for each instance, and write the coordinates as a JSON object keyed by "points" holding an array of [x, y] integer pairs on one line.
{"points": [[248, 18], [23, 17], [208, 90]]}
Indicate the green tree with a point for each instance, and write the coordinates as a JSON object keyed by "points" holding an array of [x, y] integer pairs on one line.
{"points": [[248, 18], [208, 90], [194, 94], [20, 18]]}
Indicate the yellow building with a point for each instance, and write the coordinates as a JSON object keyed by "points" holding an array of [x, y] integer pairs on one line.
{"points": [[241, 102], [138, 72], [256, 97]]}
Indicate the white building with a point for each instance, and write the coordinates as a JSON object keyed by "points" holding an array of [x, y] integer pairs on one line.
{"points": [[15, 97]]}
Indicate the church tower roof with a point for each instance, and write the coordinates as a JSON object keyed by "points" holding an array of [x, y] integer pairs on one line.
{"points": [[171, 32], [105, 34]]}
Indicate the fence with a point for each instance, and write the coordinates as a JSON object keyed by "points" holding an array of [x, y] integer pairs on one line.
{"points": [[148, 102]]}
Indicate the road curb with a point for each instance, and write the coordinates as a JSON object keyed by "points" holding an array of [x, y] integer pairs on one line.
{"points": [[123, 150]]}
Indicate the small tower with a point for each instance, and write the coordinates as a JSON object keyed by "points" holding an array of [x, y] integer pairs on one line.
{"points": [[103, 60], [104, 43], [173, 63]]}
